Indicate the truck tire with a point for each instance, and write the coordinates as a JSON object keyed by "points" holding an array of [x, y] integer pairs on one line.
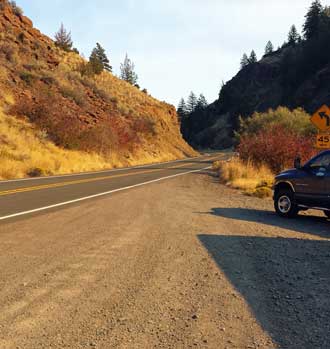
{"points": [[285, 205]]}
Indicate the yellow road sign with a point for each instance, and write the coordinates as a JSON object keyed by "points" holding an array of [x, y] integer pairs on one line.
{"points": [[321, 119], [323, 141]]}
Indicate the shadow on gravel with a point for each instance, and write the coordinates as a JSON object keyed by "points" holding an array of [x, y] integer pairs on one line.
{"points": [[313, 225], [286, 283]]}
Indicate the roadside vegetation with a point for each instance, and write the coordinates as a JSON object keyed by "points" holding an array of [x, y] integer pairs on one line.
{"points": [[267, 144], [25, 151], [293, 74], [251, 179]]}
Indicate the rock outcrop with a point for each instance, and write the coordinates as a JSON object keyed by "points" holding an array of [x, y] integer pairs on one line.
{"points": [[257, 87]]}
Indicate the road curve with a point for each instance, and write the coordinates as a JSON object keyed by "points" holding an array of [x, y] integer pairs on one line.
{"points": [[23, 197]]}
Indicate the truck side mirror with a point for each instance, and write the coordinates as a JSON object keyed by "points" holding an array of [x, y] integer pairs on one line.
{"points": [[297, 163]]}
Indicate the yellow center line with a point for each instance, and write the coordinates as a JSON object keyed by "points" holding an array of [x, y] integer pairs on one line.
{"points": [[87, 180]]}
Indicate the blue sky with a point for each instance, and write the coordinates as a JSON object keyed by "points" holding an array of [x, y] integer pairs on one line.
{"points": [[177, 46]]}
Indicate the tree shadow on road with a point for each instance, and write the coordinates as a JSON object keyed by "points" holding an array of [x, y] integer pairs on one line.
{"points": [[303, 224], [286, 283]]}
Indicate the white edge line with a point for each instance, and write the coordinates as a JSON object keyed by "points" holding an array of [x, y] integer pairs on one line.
{"points": [[98, 195], [98, 172]]}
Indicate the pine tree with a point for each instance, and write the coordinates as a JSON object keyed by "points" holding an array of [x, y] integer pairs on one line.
{"points": [[182, 109], [222, 87], [293, 36], [269, 48], [253, 57], [191, 103], [244, 61], [313, 20], [127, 72], [63, 39], [98, 54], [95, 64], [202, 102], [325, 21]]}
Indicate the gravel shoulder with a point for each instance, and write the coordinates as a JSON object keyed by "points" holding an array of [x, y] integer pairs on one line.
{"points": [[185, 263]]}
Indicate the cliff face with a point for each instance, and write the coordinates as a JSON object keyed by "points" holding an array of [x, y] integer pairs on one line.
{"points": [[45, 87], [270, 83]]}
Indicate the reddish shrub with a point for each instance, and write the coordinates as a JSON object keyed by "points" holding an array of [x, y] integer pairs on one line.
{"points": [[276, 147]]}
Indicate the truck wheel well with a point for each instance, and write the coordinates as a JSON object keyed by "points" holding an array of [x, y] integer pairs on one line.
{"points": [[283, 186]]}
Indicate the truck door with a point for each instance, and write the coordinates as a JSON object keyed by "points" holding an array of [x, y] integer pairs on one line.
{"points": [[312, 186], [327, 185]]}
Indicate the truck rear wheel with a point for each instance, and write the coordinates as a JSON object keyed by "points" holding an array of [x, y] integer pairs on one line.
{"points": [[285, 205]]}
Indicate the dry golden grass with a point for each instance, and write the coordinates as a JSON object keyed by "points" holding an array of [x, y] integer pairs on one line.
{"points": [[24, 150], [252, 180], [128, 98], [53, 92]]}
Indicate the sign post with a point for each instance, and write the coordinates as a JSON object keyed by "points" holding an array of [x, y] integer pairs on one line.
{"points": [[321, 119]]}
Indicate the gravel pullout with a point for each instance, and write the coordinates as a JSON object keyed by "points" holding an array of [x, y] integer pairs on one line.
{"points": [[185, 263]]}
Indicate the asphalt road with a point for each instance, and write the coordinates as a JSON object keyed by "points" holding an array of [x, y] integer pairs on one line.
{"points": [[178, 263], [22, 197]]}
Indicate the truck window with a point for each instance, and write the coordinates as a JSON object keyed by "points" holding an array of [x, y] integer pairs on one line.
{"points": [[321, 161]]}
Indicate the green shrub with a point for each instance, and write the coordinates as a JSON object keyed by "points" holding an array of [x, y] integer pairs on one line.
{"points": [[102, 94], [297, 121], [87, 69], [89, 83], [31, 67], [10, 53], [114, 100], [73, 93], [48, 80], [28, 77], [36, 172], [21, 37]]}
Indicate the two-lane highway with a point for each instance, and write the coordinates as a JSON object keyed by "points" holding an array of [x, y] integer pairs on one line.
{"points": [[22, 197]]}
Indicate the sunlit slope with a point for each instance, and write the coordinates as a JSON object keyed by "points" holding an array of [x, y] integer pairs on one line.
{"points": [[86, 122]]}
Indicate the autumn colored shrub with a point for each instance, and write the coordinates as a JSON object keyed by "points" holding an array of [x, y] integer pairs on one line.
{"points": [[275, 147]]}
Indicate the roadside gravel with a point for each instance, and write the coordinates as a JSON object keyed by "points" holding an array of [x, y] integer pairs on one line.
{"points": [[186, 263]]}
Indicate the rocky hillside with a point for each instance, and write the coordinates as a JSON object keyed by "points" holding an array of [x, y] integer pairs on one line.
{"points": [[296, 75], [45, 96], [257, 87]]}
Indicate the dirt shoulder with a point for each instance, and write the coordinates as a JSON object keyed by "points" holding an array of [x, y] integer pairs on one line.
{"points": [[178, 264]]}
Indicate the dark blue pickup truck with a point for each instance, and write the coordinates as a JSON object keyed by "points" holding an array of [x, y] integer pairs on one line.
{"points": [[304, 187]]}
